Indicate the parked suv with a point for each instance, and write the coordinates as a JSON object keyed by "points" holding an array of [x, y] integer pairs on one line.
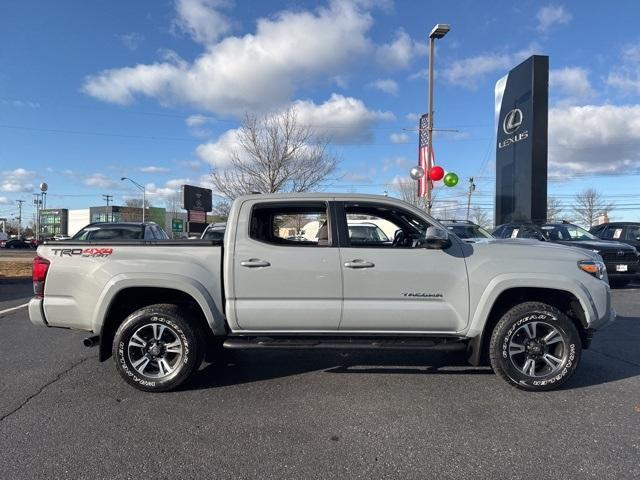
{"points": [[625, 232], [620, 259], [120, 231], [466, 230]]}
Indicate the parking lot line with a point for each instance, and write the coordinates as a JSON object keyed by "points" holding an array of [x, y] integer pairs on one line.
{"points": [[12, 309]]}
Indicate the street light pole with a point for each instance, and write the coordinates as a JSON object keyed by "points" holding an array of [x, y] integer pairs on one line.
{"points": [[144, 194], [439, 31]]}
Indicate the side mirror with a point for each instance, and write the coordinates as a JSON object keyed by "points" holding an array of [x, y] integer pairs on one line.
{"points": [[436, 238]]}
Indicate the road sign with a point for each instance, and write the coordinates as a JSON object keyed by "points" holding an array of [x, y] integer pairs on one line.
{"points": [[177, 225]]}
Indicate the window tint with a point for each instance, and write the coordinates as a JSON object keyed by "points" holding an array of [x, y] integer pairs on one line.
{"points": [[119, 233], [213, 234], [633, 232], [371, 225], [608, 233], [297, 225]]}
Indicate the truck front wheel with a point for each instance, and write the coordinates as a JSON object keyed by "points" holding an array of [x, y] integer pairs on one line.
{"points": [[535, 347], [158, 347]]}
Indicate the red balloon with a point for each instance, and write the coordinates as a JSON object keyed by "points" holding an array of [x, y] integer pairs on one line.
{"points": [[436, 173]]}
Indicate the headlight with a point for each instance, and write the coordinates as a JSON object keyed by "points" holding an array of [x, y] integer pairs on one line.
{"points": [[595, 268]]}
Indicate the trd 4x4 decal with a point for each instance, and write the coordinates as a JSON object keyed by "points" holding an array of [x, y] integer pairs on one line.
{"points": [[82, 252]]}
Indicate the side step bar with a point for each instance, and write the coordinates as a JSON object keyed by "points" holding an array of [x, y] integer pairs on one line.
{"points": [[247, 343]]}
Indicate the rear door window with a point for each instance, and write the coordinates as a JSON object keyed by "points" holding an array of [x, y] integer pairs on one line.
{"points": [[291, 224]]}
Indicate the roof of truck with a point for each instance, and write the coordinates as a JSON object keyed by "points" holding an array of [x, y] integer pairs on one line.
{"points": [[316, 195]]}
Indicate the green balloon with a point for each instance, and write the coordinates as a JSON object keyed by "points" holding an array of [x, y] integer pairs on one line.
{"points": [[451, 179]]}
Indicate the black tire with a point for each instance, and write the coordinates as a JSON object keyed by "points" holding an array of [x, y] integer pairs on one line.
{"points": [[178, 330], [526, 326]]}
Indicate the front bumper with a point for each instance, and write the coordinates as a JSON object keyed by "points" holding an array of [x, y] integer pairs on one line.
{"points": [[36, 312]]}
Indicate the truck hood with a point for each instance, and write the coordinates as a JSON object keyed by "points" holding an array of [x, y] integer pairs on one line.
{"points": [[601, 245], [529, 248]]}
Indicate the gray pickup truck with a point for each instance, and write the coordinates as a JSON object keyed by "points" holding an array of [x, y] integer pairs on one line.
{"points": [[290, 273]]}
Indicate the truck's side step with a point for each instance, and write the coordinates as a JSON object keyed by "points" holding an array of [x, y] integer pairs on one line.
{"points": [[245, 343]]}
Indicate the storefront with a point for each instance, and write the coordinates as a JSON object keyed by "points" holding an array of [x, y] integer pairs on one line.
{"points": [[54, 222]]}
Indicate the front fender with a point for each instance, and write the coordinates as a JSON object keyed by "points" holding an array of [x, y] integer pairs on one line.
{"points": [[501, 283], [212, 311]]}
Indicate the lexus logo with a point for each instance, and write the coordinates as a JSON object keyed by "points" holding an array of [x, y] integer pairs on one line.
{"points": [[512, 121]]}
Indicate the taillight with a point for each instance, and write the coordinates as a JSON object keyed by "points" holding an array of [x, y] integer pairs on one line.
{"points": [[40, 269]]}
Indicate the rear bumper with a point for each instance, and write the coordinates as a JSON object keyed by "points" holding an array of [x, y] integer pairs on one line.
{"points": [[36, 312]]}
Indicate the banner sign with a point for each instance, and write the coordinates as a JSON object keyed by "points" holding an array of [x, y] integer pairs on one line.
{"points": [[522, 105]]}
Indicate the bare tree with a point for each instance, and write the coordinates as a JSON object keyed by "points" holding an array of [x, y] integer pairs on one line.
{"points": [[407, 190], [275, 154], [555, 208], [132, 211], [482, 217], [589, 205], [222, 209]]}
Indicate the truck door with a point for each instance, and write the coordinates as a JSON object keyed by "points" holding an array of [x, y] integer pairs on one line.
{"points": [[286, 268], [390, 285]]}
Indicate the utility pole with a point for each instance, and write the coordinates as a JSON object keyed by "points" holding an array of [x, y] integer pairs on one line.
{"points": [[108, 198], [472, 188], [20, 202]]}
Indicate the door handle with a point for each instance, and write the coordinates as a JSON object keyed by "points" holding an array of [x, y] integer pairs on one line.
{"points": [[359, 263], [254, 263]]}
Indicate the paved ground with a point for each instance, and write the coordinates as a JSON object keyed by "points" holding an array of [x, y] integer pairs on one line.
{"points": [[315, 414]]}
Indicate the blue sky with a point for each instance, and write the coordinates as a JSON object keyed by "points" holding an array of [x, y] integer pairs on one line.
{"points": [[92, 91]]}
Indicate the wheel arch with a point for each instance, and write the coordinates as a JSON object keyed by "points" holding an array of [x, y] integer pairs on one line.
{"points": [[566, 301], [125, 297]]}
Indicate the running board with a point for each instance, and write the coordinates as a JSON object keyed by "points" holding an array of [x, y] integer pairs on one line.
{"points": [[246, 343]]}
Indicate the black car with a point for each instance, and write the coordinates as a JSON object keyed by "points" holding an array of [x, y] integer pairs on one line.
{"points": [[625, 232], [16, 243], [621, 259], [120, 231], [466, 230]]}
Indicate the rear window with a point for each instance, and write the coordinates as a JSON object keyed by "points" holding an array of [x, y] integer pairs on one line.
{"points": [[296, 225], [109, 233]]}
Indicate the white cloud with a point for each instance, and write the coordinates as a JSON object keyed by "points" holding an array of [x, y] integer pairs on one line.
{"points": [[190, 164], [340, 119], [395, 162], [412, 117], [552, 15], [255, 72], [399, 138], [400, 52], [202, 20], [469, 72], [5, 201], [386, 85], [218, 153], [131, 40], [154, 169], [100, 180], [571, 82], [626, 77], [18, 180], [197, 120], [594, 138]]}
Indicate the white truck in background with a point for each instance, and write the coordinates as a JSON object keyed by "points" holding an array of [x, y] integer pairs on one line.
{"points": [[524, 307]]}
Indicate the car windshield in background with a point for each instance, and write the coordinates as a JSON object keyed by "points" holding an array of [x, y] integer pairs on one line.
{"points": [[121, 232], [212, 234], [566, 232], [469, 231], [367, 233]]}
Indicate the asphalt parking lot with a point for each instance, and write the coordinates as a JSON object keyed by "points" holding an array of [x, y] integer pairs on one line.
{"points": [[297, 414]]}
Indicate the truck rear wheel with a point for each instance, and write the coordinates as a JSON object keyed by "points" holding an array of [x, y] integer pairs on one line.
{"points": [[158, 347], [535, 347]]}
